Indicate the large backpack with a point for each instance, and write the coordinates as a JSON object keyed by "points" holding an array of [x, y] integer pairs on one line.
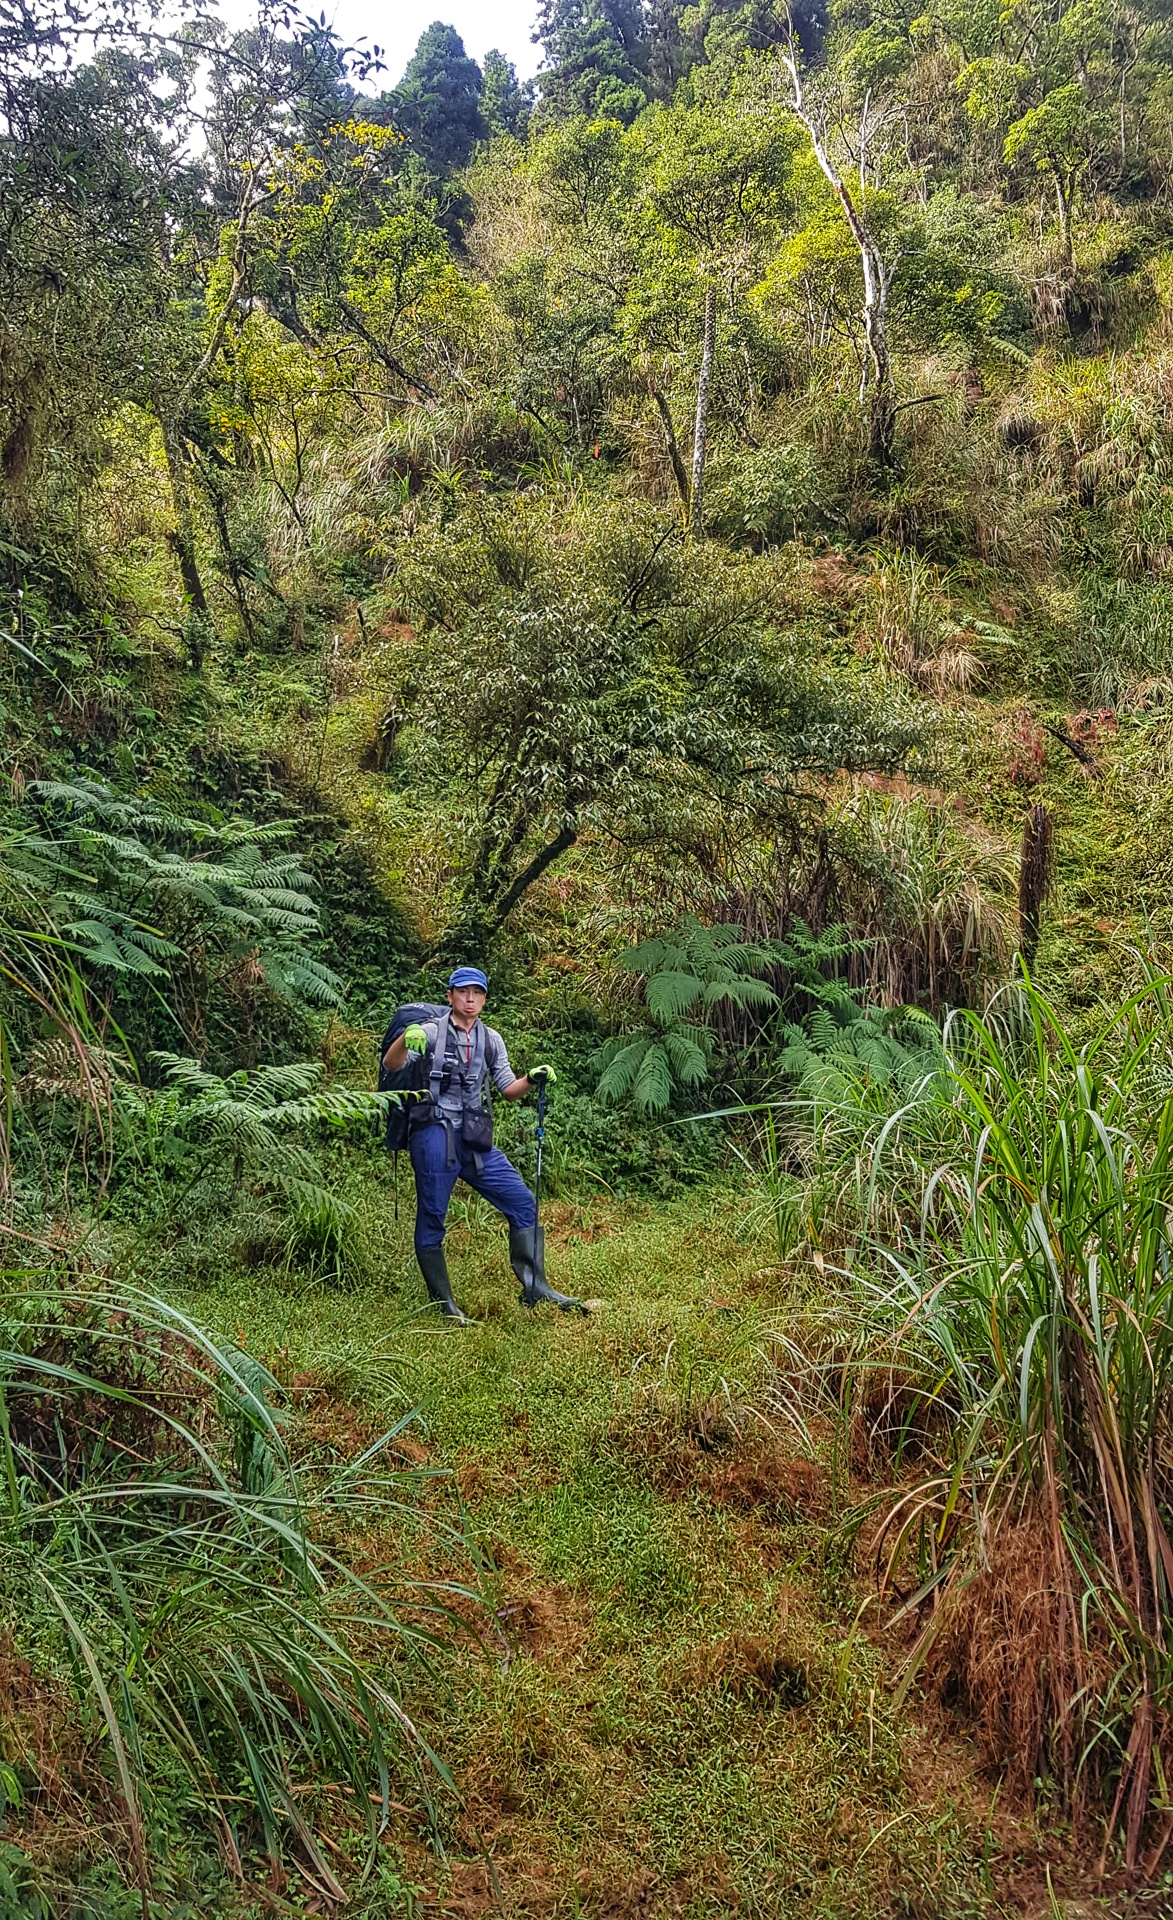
{"points": [[409, 1080]]}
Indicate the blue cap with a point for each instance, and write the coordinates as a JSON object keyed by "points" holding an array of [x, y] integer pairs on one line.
{"points": [[468, 977]]}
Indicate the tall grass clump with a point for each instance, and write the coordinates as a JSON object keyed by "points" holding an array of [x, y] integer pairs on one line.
{"points": [[167, 1564], [1016, 1336]]}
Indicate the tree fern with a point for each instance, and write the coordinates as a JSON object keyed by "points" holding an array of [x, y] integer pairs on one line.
{"points": [[697, 965], [251, 1126], [845, 1047], [688, 972], [134, 885]]}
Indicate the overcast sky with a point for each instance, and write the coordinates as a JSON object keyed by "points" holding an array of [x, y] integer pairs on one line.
{"points": [[397, 26]]}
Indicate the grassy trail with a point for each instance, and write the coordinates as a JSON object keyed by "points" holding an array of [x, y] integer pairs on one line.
{"points": [[669, 1712]]}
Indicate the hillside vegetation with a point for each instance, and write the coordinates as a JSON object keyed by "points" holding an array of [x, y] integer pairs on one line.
{"points": [[693, 535]]}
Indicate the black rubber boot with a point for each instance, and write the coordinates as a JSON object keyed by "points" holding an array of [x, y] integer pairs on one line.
{"points": [[527, 1256], [434, 1268]]}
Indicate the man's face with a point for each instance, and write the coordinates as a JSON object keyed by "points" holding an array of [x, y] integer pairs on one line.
{"points": [[466, 1003]]}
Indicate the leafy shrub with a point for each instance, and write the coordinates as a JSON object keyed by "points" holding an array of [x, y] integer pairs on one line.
{"points": [[592, 1148], [767, 495], [249, 1129]]}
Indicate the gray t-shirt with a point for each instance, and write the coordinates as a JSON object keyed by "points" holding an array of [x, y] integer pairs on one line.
{"points": [[461, 1047]]}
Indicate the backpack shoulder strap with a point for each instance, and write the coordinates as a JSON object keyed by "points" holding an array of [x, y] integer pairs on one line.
{"points": [[439, 1055], [476, 1071]]}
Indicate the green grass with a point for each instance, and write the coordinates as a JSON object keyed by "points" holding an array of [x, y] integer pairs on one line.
{"points": [[1024, 1311], [167, 1563], [670, 1710]]}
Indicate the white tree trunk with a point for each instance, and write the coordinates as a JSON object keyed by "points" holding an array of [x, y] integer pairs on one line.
{"points": [[876, 398], [701, 428]]}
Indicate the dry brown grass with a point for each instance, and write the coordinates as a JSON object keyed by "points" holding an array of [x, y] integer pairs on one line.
{"points": [[42, 1740], [1001, 1652], [892, 1424], [749, 1667], [736, 1459], [323, 1419], [1005, 1652]]}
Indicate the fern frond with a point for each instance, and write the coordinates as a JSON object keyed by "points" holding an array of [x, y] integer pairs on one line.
{"points": [[652, 1087], [107, 852], [824, 1029], [739, 993], [621, 1064], [822, 1081], [277, 900], [185, 1072], [297, 1078], [649, 956], [310, 1195], [289, 975], [670, 994], [104, 945], [688, 1060]]}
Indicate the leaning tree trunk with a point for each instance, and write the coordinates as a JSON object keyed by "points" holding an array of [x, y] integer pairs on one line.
{"points": [[228, 554], [701, 428], [671, 447]]}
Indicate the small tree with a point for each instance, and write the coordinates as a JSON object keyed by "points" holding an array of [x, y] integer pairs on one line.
{"points": [[1059, 136], [665, 691]]}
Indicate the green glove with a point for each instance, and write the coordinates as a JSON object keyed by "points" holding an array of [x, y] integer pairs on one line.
{"points": [[415, 1039], [542, 1077]]}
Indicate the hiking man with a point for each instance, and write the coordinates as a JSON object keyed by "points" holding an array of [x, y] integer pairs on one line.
{"points": [[450, 1138]]}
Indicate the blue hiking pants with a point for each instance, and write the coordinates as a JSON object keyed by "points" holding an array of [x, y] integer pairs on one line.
{"points": [[498, 1180]]}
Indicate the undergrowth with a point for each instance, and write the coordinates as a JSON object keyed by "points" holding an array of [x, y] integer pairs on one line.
{"points": [[998, 1347], [186, 1634], [678, 1707]]}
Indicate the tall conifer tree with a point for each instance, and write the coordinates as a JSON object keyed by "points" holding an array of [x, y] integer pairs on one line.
{"points": [[439, 100], [504, 103]]}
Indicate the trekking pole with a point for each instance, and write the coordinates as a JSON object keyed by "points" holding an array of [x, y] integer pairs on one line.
{"points": [[541, 1138]]}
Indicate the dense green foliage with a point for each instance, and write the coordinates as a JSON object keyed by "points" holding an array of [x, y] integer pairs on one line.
{"points": [[692, 534]]}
